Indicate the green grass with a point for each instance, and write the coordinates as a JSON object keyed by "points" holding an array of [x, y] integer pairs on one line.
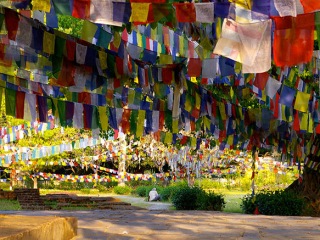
{"points": [[233, 202], [9, 205], [232, 199]]}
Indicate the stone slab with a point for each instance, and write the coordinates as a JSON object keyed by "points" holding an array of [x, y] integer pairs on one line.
{"points": [[18, 227]]}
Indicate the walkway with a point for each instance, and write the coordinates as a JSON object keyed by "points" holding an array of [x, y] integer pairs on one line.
{"points": [[183, 225]]}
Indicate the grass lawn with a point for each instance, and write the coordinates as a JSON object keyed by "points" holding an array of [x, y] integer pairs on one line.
{"points": [[232, 199], [9, 205]]}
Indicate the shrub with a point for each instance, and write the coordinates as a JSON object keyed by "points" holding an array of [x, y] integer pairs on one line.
{"points": [[122, 190], [140, 191], [166, 193], [284, 203], [185, 198], [195, 198], [210, 201]]}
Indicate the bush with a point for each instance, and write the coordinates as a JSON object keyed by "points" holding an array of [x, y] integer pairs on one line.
{"points": [[166, 193], [140, 191], [283, 203], [186, 198], [122, 190], [195, 198], [211, 202]]}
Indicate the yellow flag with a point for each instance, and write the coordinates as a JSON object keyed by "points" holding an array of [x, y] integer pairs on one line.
{"points": [[103, 60], [41, 5], [165, 59], [103, 117], [302, 101], [88, 31], [116, 39], [140, 123], [311, 124], [230, 140], [222, 110], [48, 42], [198, 101], [181, 45], [304, 122], [168, 138], [188, 105], [243, 3], [175, 125], [139, 12]]}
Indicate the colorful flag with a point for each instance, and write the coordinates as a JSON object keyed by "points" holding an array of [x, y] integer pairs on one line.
{"points": [[293, 40], [302, 101]]}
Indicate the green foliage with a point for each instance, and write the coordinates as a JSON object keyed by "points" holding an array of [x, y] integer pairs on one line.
{"points": [[122, 190], [210, 201], [141, 191], [85, 190], [9, 205], [195, 198], [166, 193], [4, 186], [70, 25], [207, 183], [284, 203]]}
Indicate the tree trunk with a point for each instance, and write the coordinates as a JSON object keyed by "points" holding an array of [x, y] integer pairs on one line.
{"points": [[309, 188], [35, 182]]}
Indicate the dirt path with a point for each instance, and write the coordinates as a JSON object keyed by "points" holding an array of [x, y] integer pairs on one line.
{"points": [[184, 225]]}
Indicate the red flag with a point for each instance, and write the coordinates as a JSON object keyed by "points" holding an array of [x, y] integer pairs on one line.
{"points": [[185, 12]]}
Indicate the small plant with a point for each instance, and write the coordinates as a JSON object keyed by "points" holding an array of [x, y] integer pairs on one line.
{"points": [[122, 190]]}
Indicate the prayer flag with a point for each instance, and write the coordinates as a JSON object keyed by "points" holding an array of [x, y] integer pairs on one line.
{"points": [[121, 12], [251, 48], [101, 11], [287, 96], [310, 5], [261, 80], [48, 42], [140, 12], [286, 8], [62, 7], [293, 40], [302, 101], [204, 12], [41, 5], [88, 31], [185, 12], [81, 9], [194, 67]]}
